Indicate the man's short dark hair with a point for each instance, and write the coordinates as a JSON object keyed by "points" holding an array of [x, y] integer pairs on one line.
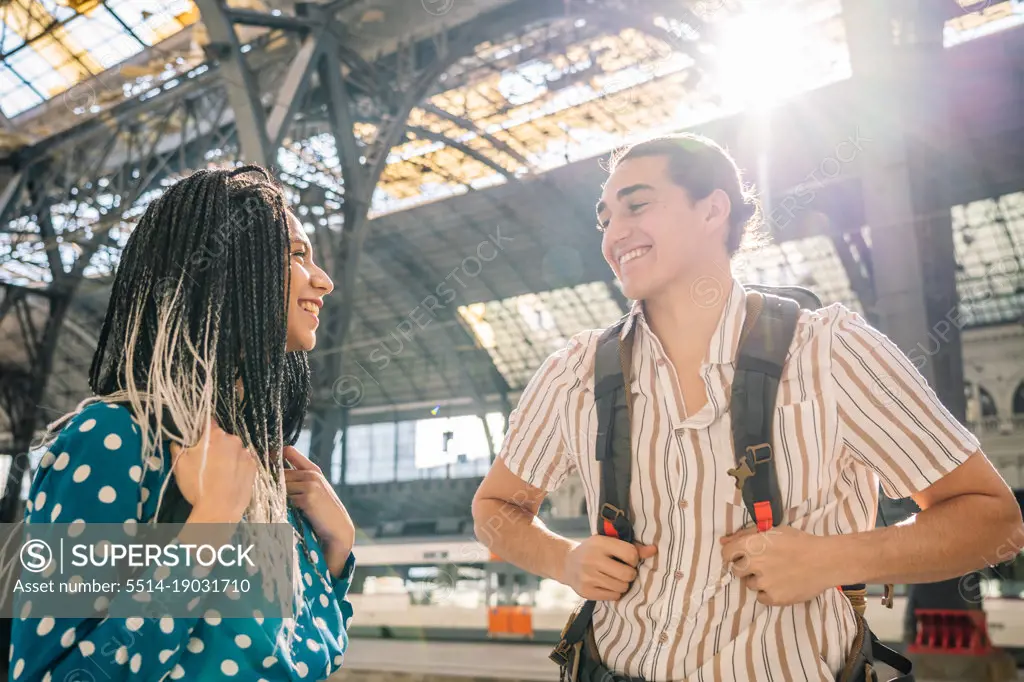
{"points": [[700, 165]]}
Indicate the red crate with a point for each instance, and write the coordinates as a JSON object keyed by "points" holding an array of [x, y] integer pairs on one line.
{"points": [[951, 631]]}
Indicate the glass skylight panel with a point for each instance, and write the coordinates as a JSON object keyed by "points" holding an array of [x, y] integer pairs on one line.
{"points": [[811, 263], [9, 38], [53, 48], [152, 21], [98, 40], [18, 100], [520, 332], [989, 240], [9, 82], [559, 108], [992, 18], [32, 63], [25, 18], [57, 10]]}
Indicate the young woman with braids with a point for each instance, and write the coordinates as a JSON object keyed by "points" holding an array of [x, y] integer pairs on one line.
{"points": [[201, 384]]}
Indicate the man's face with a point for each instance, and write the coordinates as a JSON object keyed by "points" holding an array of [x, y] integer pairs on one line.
{"points": [[653, 232]]}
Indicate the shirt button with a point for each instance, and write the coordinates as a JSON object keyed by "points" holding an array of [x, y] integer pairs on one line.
{"points": [[663, 637], [683, 504], [661, 363], [679, 575]]}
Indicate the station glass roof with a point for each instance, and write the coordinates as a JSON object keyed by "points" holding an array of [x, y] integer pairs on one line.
{"points": [[593, 93], [48, 47]]}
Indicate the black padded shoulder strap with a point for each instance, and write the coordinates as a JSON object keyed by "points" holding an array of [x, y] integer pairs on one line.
{"points": [[767, 333], [612, 375]]}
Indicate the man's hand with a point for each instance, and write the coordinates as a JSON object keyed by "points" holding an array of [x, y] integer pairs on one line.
{"points": [[594, 569], [784, 566], [310, 492]]}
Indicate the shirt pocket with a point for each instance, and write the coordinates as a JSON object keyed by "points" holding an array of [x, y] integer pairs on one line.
{"points": [[799, 455]]}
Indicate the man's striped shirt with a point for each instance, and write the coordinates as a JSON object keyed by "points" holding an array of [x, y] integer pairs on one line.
{"points": [[852, 412]]}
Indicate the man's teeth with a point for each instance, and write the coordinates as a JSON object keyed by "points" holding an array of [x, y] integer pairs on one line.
{"points": [[309, 307], [635, 253]]}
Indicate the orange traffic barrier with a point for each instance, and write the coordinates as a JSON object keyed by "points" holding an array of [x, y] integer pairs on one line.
{"points": [[951, 632], [510, 621]]}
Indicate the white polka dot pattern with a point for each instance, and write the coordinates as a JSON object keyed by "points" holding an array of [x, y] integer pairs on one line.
{"points": [[95, 472]]}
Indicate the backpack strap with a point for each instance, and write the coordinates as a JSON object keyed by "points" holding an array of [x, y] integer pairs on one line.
{"points": [[612, 372], [764, 343]]}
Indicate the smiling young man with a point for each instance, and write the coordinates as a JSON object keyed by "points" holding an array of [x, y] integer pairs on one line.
{"points": [[700, 596]]}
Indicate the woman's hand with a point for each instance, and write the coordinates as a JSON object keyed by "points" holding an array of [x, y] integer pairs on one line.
{"points": [[310, 491], [219, 491]]}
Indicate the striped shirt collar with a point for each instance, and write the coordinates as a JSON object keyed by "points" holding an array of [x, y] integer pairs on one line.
{"points": [[725, 340]]}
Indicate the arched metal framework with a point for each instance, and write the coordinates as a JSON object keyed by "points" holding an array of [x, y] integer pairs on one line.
{"points": [[243, 103]]}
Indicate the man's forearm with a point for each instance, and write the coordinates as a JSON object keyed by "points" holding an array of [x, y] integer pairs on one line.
{"points": [[951, 539], [521, 539]]}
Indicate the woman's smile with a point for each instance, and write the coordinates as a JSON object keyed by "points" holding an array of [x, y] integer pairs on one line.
{"points": [[312, 308]]}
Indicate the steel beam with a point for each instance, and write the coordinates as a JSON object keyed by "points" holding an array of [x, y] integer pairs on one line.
{"points": [[8, 196], [488, 436], [472, 127], [358, 201], [284, 22], [294, 88], [428, 134], [46, 232], [23, 393], [239, 81], [12, 295], [858, 267]]}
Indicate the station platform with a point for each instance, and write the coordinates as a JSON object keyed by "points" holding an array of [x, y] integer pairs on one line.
{"points": [[382, 660]]}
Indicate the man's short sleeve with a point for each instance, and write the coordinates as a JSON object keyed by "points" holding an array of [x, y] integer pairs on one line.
{"points": [[890, 419], [535, 448]]}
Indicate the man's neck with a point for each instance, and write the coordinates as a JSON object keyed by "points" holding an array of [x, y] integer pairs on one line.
{"points": [[685, 316]]}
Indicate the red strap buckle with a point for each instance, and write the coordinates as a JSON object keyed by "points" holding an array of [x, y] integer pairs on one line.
{"points": [[763, 516], [610, 510]]}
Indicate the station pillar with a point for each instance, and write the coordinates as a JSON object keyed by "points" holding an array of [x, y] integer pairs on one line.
{"points": [[897, 55]]}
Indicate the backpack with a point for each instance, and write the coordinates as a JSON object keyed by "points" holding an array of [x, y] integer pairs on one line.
{"points": [[771, 320]]}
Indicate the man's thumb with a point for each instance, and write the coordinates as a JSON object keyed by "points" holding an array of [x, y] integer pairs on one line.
{"points": [[646, 551]]}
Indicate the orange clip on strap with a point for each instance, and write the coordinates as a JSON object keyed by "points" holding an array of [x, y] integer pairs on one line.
{"points": [[609, 529], [763, 516]]}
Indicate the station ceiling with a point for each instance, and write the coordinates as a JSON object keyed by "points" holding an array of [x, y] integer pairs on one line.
{"points": [[505, 158]]}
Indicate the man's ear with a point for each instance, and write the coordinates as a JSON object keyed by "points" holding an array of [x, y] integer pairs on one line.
{"points": [[716, 208]]}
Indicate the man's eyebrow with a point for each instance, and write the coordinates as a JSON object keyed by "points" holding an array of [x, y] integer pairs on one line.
{"points": [[632, 189], [622, 194]]}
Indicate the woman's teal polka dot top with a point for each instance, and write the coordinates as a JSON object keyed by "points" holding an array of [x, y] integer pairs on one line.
{"points": [[94, 473]]}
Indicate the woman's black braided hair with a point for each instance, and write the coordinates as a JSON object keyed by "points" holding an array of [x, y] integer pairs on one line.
{"points": [[227, 231], [215, 246]]}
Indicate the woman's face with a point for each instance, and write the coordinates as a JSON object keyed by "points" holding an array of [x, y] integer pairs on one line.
{"points": [[309, 285]]}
